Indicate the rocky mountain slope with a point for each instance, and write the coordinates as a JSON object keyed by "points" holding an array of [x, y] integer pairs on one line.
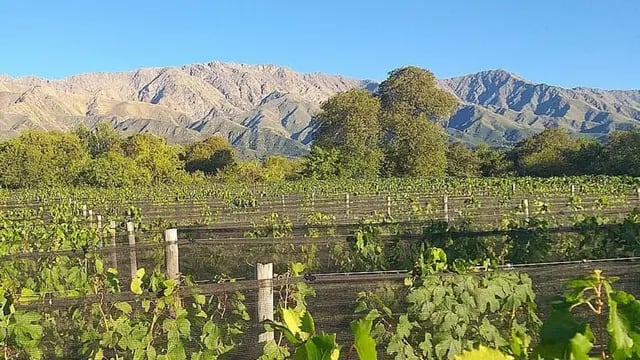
{"points": [[265, 109]]}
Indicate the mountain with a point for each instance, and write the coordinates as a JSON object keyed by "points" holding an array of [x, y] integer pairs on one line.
{"points": [[499, 108], [265, 109]]}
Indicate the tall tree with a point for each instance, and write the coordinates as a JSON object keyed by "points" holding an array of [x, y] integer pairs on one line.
{"points": [[40, 159], [545, 154], [350, 123], [462, 161], [153, 154], [412, 105], [100, 139], [210, 155], [621, 153]]}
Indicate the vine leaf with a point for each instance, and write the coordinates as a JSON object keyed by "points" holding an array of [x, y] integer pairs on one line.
{"points": [[562, 337], [483, 353], [365, 345], [623, 326]]}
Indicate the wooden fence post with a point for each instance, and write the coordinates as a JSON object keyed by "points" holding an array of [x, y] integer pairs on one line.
{"points": [[638, 193], [313, 201], [445, 207], [84, 212], [389, 205], [525, 207], [133, 261], [573, 190], [264, 275], [99, 223], [347, 204], [171, 254], [513, 188], [114, 254], [284, 207], [91, 217]]}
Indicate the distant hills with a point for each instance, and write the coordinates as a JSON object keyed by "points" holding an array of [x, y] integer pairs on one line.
{"points": [[265, 109]]}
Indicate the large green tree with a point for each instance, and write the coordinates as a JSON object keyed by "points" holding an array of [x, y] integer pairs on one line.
{"points": [[462, 161], [152, 154], [350, 123], [412, 106], [112, 169], [621, 153], [210, 155], [41, 159], [546, 153], [100, 139]]}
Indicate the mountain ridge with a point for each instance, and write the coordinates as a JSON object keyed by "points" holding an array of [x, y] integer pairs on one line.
{"points": [[266, 109]]}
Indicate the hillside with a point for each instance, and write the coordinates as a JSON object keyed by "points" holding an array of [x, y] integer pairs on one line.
{"points": [[265, 109]]}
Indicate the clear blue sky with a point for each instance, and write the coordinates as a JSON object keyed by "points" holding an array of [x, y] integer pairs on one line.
{"points": [[561, 42]]}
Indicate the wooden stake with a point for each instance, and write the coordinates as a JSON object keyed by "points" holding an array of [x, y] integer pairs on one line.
{"points": [[389, 205], [114, 255], [347, 204], [525, 206], [133, 261], [171, 254], [264, 275], [445, 207], [84, 211], [573, 190]]}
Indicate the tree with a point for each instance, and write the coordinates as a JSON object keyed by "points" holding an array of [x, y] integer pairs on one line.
{"points": [[545, 154], [350, 123], [411, 106], [493, 162], [621, 153], [112, 169], [280, 168], [152, 154], [323, 164], [418, 147], [462, 161], [209, 156], [41, 159], [413, 91], [100, 139]]}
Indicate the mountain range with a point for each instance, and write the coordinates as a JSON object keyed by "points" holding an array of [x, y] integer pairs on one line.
{"points": [[267, 109]]}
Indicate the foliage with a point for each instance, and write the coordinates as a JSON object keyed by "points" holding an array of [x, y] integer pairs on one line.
{"points": [[41, 159], [448, 312], [616, 313], [280, 168], [273, 225], [209, 156], [323, 164], [621, 153], [111, 169], [462, 161], [101, 139], [155, 156], [545, 154], [350, 123]]}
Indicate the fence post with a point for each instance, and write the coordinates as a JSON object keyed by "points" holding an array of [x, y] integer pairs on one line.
{"points": [[84, 212], [114, 254], [513, 188], [171, 254], [389, 205], [264, 275], [525, 206], [313, 201], [99, 223], [445, 207], [91, 217], [132, 249], [638, 193], [347, 204], [284, 207], [573, 190]]}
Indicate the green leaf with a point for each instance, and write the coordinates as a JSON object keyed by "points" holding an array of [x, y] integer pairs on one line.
{"points": [[136, 286], [308, 326], [293, 322], [125, 307], [99, 266], [623, 326], [483, 353], [365, 345]]}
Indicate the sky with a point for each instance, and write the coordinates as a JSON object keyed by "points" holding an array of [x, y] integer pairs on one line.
{"points": [[569, 43]]}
